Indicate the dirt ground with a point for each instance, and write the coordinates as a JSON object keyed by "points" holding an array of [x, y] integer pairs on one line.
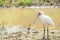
{"points": [[33, 34]]}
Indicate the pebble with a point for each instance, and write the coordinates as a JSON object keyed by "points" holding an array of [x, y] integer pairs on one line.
{"points": [[25, 35]]}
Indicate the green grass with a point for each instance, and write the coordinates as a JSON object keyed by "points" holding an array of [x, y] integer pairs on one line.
{"points": [[1, 1]]}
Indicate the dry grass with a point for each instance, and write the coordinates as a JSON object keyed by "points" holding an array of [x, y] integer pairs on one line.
{"points": [[25, 16]]}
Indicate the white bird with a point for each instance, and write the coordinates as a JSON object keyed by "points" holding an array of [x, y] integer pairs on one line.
{"points": [[46, 20]]}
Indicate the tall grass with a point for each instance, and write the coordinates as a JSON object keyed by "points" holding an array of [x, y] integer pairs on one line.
{"points": [[27, 1], [1, 2], [41, 0], [24, 1]]}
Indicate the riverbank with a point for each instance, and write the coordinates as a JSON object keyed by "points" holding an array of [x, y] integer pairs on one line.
{"points": [[33, 7], [19, 33]]}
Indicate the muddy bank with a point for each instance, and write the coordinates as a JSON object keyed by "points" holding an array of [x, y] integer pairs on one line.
{"points": [[24, 34]]}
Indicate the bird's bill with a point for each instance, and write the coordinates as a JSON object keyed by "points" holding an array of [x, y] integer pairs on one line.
{"points": [[37, 15], [35, 19]]}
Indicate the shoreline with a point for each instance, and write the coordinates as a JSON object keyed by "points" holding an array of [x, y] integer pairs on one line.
{"points": [[33, 7]]}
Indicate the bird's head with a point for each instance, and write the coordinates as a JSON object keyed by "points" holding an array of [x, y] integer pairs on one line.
{"points": [[40, 13]]}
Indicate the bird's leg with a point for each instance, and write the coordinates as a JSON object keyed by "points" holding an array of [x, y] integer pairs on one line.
{"points": [[44, 32], [47, 33]]}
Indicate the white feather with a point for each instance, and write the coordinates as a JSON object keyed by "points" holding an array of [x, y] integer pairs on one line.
{"points": [[46, 20]]}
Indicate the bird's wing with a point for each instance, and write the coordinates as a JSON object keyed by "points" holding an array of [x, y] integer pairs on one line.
{"points": [[48, 20]]}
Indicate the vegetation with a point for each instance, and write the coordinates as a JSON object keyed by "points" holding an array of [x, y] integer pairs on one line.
{"points": [[24, 3]]}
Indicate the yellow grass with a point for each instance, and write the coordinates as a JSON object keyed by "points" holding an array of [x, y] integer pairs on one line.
{"points": [[25, 16]]}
